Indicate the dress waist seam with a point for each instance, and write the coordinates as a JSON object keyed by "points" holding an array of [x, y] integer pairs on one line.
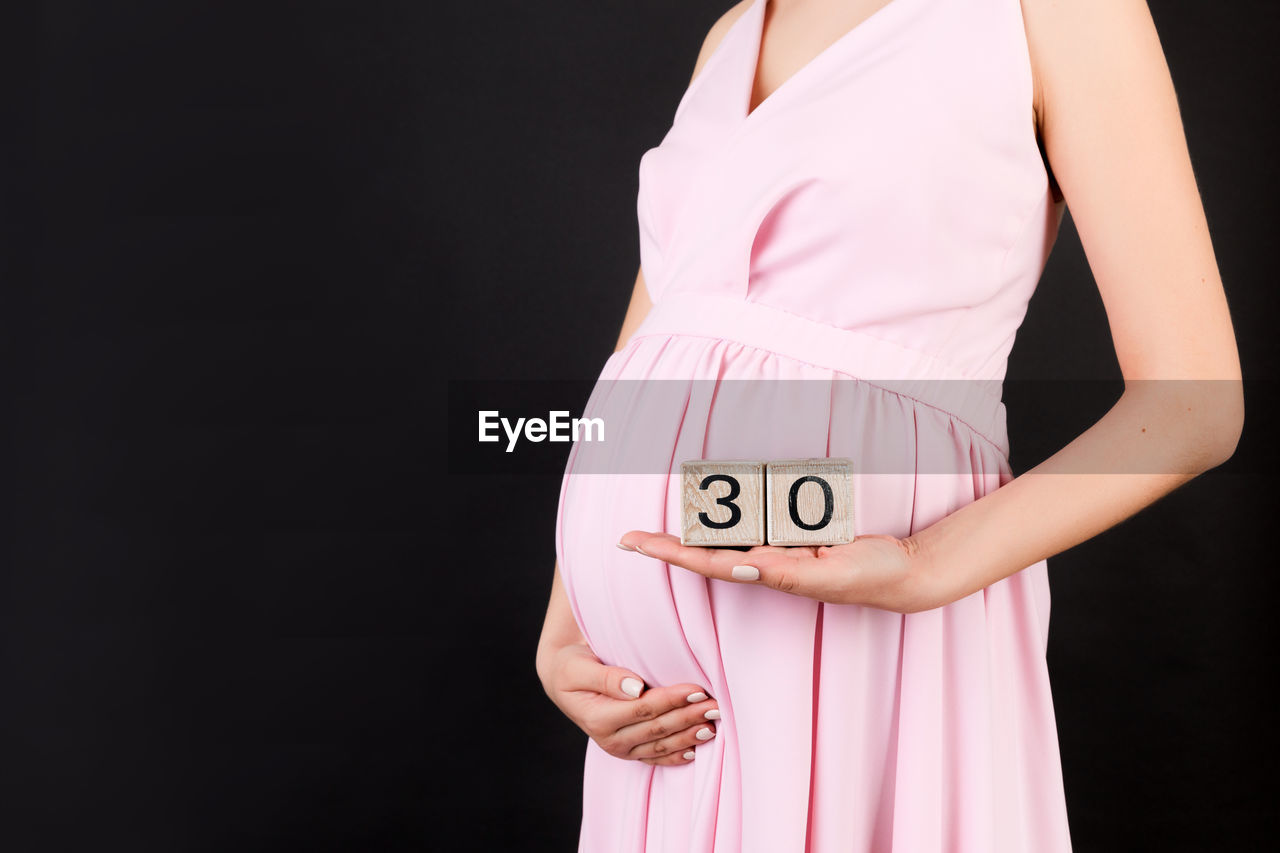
{"points": [[976, 403]]}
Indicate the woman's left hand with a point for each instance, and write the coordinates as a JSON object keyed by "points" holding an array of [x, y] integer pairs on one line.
{"points": [[873, 570]]}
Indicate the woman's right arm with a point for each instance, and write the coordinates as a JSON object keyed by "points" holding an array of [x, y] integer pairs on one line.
{"points": [[663, 723], [660, 725], [637, 310], [559, 629]]}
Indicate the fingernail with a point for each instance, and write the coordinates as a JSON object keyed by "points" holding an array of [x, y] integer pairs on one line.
{"points": [[625, 546], [696, 697], [713, 714], [638, 548], [688, 756], [746, 573], [631, 686], [705, 734]]}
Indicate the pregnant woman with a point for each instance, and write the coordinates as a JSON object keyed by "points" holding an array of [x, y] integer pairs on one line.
{"points": [[839, 235]]}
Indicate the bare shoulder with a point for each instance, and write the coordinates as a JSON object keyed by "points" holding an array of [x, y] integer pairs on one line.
{"points": [[1083, 43], [1078, 51], [717, 33]]}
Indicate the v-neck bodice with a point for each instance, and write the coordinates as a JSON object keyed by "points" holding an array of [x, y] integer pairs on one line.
{"points": [[893, 184]]}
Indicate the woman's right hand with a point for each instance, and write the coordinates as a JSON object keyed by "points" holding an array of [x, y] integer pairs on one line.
{"points": [[659, 725]]}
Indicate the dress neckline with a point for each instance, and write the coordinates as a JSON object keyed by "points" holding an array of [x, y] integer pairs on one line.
{"points": [[756, 42]]}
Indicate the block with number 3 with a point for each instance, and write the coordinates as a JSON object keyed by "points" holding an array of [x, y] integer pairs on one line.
{"points": [[722, 503], [809, 501]]}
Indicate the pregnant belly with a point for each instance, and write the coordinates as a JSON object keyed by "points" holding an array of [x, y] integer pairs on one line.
{"points": [[670, 398]]}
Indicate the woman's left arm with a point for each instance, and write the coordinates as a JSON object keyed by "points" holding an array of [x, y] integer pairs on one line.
{"points": [[1114, 138]]}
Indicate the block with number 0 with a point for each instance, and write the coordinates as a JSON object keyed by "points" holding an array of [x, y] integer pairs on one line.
{"points": [[809, 501], [722, 503]]}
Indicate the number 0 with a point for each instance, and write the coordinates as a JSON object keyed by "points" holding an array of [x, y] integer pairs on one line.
{"points": [[828, 507]]}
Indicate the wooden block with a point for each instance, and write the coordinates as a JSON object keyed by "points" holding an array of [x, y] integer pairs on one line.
{"points": [[722, 503], [809, 501]]}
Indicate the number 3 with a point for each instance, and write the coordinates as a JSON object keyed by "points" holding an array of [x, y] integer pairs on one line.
{"points": [[735, 514]]}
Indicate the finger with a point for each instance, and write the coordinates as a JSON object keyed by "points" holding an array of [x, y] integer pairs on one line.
{"points": [[627, 721], [663, 726], [712, 562], [685, 757], [806, 571], [676, 744]]}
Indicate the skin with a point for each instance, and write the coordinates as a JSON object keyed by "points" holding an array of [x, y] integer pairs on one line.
{"points": [[1118, 156]]}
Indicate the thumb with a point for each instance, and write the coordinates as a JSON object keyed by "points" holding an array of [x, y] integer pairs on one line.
{"points": [[621, 683], [588, 672]]}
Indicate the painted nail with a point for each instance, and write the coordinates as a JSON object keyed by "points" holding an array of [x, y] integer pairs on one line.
{"points": [[639, 549], [746, 573], [696, 697], [625, 547], [689, 755], [631, 686], [705, 734], [713, 714]]}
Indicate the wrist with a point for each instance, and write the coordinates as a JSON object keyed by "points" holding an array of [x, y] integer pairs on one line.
{"points": [[918, 590], [929, 585], [940, 580], [548, 650], [542, 661]]}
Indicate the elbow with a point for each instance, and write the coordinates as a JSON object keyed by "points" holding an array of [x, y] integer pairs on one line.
{"points": [[1201, 421], [1222, 445], [1220, 423]]}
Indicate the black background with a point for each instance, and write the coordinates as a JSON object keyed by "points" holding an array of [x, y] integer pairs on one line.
{"points": [[248, 246]]}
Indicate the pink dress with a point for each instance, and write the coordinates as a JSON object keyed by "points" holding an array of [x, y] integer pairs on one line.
{"points": [[840, 272]]}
